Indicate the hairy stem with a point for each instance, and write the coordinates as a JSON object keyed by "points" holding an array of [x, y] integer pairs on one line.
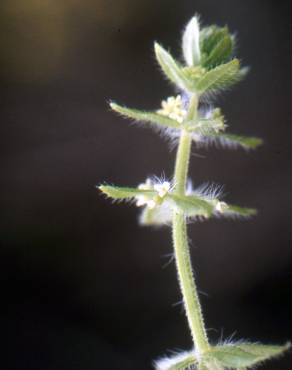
{"points": [[180, 241]]}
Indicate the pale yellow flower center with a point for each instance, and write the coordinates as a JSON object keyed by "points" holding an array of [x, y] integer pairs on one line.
{"points": [[173, 108]]}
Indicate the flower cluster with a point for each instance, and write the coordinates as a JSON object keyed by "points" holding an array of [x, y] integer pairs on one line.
{"points": [[162, 188], [173, 108], [221, 207]]}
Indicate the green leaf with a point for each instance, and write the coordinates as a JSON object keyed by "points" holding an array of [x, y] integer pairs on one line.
{"points": [[240, 211], [117, 192], [151, 117], [206, 127], [220, 54], [220, 77], [223, 139], [171, 68], [191, 205], [210, 37], [191, 43], [244, 354], [217, 46], [247, 142]]}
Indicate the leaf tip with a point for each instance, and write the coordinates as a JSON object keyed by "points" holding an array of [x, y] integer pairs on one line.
{"points": [[252, 212], [156, 46], [253, 143], [191, 43], [101, 188], [286, 347], [104, 189], [158, 49], [113, 105]]}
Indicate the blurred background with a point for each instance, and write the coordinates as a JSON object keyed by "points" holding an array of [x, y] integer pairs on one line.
{"points": [[83, 286]]}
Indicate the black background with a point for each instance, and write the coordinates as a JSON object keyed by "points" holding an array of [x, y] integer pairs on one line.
{"points": [[83, 286]]}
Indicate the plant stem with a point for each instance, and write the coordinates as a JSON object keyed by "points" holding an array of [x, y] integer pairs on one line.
{"points": [[180, 241]]}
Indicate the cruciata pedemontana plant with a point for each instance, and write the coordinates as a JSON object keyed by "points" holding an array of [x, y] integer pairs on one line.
{"points": [[209, 67]]}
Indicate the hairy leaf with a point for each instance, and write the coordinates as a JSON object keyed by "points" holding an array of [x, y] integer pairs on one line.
{"points": [[217, 46], [247, 142], [151, 117], [191, 44], [240, 211], [191, 205], [171, 68], [206, 126], [244, 354], [221, 53], [208, 137], [210, 37], [117, 192], [220, 77]]}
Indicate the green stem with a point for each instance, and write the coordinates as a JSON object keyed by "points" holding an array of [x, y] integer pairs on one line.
{"points": [[180, 241]]}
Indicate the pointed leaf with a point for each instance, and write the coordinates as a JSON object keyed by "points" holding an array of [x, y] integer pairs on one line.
{"points": [[143, 116], [117, 192], [221, 53], [191, 43], [233, 210], [212, 123], [217, 45], [210, 37], [245, 355], [240, 140], [171, 68], [220, 77], [191, 205], [206, 127], [223, 139]]}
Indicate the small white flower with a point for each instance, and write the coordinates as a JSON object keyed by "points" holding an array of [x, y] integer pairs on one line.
{"points": [[144, 200], [150, 201], [141, 201], [221, 207], [147, 185], [162, 189], [173, 108]]}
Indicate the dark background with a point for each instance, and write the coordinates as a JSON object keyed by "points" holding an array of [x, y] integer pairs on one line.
{"points": [[83, 286]]}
